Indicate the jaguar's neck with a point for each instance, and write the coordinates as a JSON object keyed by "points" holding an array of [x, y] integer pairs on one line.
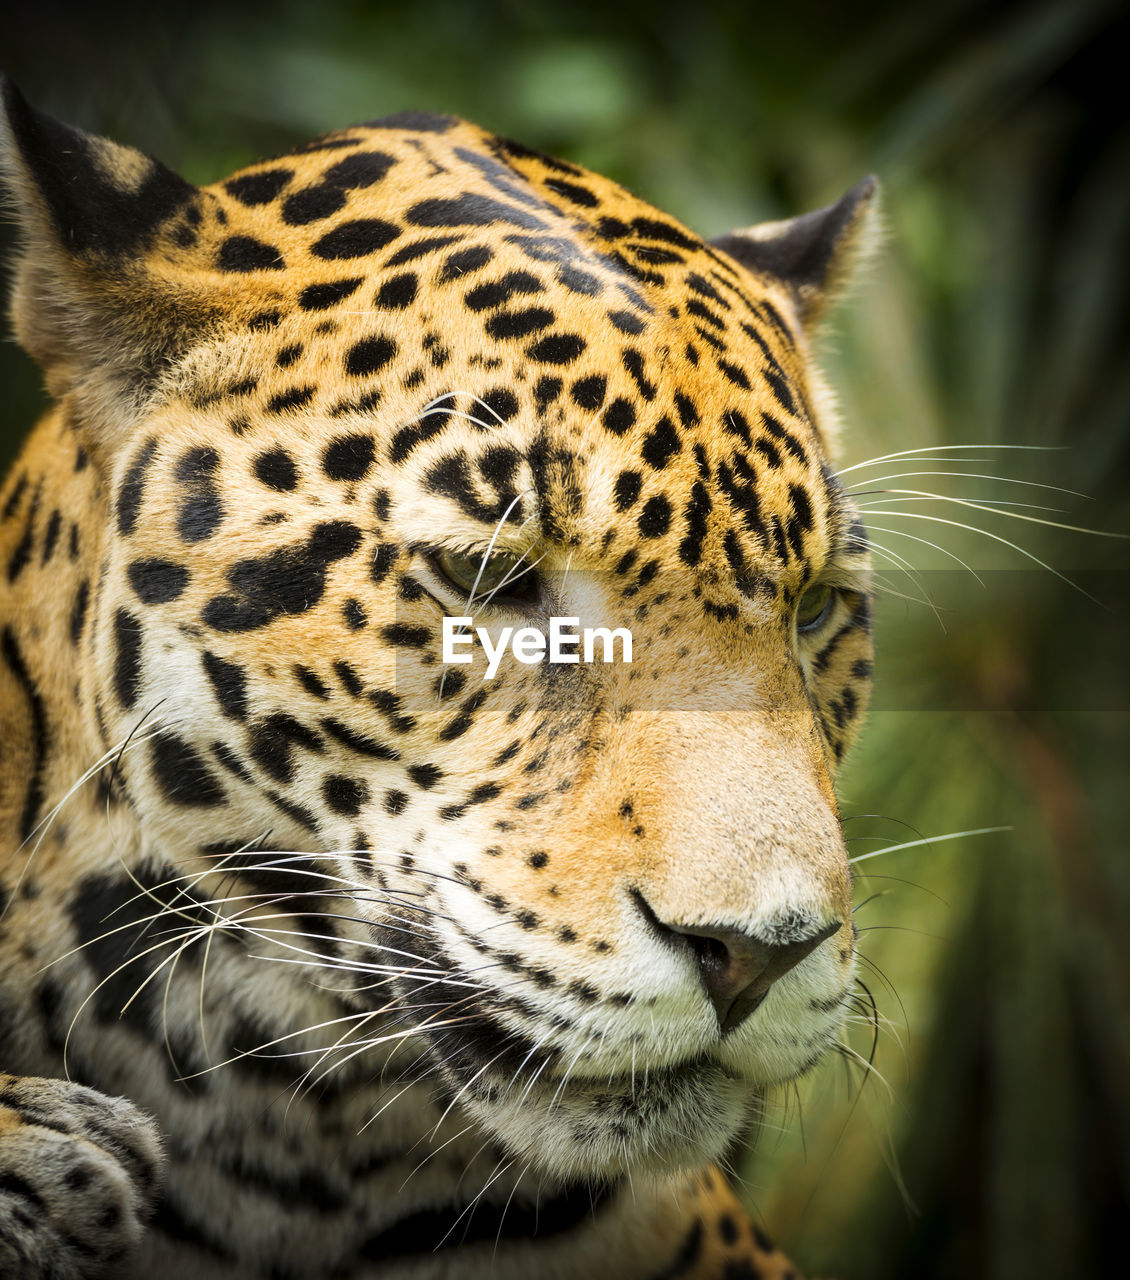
{"points": [[52, 513]]}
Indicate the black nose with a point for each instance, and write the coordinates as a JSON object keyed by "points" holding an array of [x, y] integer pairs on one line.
{"points": [[737, 969]]}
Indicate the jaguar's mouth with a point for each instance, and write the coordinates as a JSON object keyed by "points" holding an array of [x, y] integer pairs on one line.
{"points": [[646, 1089], [669, 1075]]}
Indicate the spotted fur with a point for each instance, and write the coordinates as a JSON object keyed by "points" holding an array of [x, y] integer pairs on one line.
{"points": [[417, 973]]}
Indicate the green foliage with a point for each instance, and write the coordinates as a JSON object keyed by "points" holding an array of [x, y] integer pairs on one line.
{"points": [[996, 314]]}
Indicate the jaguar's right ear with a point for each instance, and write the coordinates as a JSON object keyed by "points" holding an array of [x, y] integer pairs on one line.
{"points": [[813, 255], [93, 302]]}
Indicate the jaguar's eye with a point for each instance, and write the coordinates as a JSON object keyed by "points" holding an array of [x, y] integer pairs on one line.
{"points": [[813, 607], [502, 572]]}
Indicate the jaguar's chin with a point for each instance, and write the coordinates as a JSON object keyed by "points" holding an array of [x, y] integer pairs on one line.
{"points": [[660, 1122]]}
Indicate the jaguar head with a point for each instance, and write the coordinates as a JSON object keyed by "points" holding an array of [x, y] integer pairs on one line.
{"points": [[412, 371]]}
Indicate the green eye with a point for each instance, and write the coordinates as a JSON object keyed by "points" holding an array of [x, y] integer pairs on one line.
{"points": [[502, 571], [813, 607]]}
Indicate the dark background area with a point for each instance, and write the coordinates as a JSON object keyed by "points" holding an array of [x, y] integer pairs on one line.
{"points": [[992, 1138]]}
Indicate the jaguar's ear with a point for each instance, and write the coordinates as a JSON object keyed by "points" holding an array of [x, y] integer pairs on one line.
{"points": [[815, 254], [91, 299]]}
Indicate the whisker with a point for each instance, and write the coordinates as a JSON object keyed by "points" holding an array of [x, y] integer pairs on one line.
{"points": [[914, 844], [483, 564], [913, 884], [432, 1152], [517, 571], [904, 564], [257, 1051], [890, 987], [869, 1068], [855, 491], [992, 506], [490, 547], [947, 448], [498, 1171], [901, 533], [972, 528], [43, 826]]}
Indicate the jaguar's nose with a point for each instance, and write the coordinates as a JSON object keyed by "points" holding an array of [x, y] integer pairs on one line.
{"points": [[736, 968]]}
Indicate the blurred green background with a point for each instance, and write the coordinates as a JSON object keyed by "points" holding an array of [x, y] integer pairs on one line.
{"points": [[992, 1138]]}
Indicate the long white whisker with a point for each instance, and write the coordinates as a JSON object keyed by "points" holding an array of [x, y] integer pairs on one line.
{"points": [[483, 564], [43, 826], [992, 505], [855, 490], [902, 563], [517, 571], [499, 1170], [914, 844], [985, 533], [946, 448], [868, 1067], [490, 548], [901, 533]]}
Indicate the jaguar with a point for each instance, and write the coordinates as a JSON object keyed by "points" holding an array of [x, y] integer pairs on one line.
{"points": [[321, 957]]}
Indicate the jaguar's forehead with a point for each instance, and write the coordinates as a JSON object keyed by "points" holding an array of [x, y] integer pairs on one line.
{"points": [[424, 283], [399, 197]]}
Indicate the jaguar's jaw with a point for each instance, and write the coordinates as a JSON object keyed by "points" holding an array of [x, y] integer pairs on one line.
{"points": [[666, 1121]]}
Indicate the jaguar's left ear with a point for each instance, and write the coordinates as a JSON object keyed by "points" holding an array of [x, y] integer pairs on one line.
{"points": [[815, 254], [98, 299]]}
